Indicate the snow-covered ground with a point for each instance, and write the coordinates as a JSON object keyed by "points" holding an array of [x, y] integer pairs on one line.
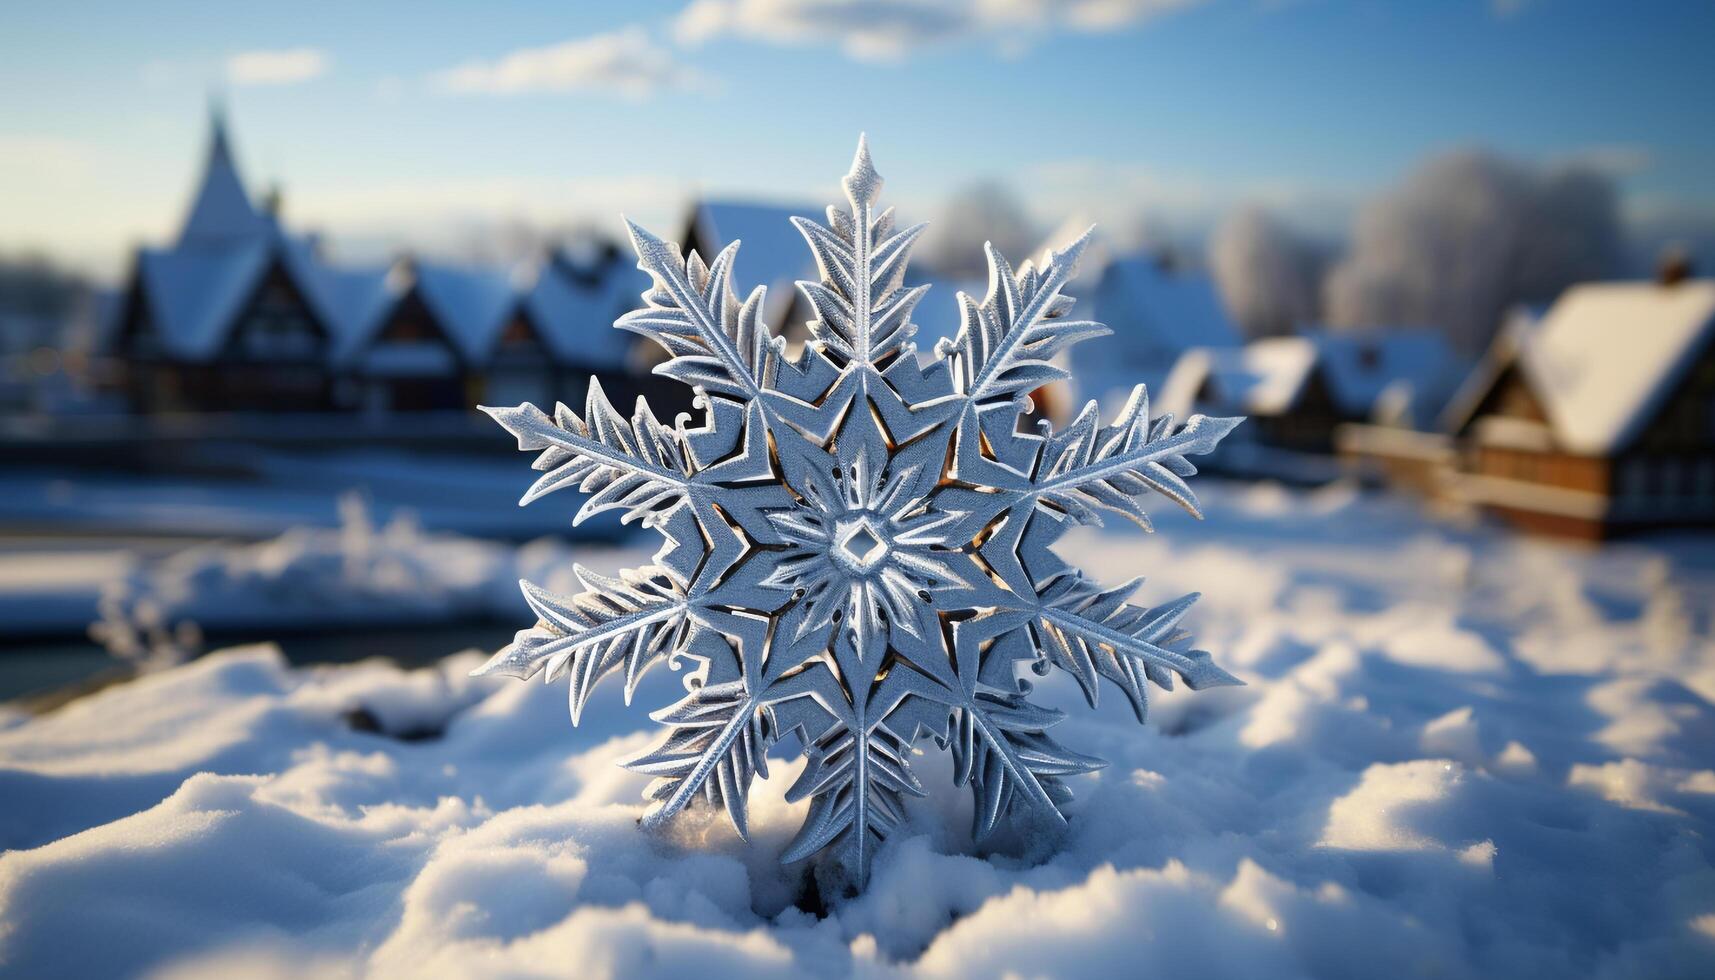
{"points": [[1459, 753]]}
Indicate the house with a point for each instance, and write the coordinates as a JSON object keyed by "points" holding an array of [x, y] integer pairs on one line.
{"points": [[1298, 391], [424, 350], [236, 314], [239, 314], [1405, 443], [568, 308], [1278, 383], [1601, 417], [1157, 313]]}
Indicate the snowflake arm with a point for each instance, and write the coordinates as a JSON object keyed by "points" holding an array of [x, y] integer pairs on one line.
{"points": [[714, 341], [998, 739], [1005, 344], [637, 465], [1111, 467], [862, 312], [1079, 625], [857, 737], [717, 742], [631, 621]]}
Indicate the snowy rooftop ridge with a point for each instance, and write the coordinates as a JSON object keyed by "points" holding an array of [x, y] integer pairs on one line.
{"points": [[1173, 307], [1264, 377], [193, 293], [196, 290], [1362, 365], [574, 318], [1268, 376], [1606, 355], [472, 304]]}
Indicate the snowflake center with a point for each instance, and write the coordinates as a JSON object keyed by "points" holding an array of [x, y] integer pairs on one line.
{"points": [[861, 543]]}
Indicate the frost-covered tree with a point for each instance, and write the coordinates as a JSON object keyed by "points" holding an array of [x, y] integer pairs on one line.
{"points": [[1468, 235], [982, 212], [1267, 274]]}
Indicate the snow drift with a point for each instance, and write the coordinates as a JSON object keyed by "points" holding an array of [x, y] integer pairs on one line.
{"points": [[1458, 754]]}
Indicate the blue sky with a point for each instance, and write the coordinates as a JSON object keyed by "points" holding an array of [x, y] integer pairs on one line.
{"points": [[427, 123]]}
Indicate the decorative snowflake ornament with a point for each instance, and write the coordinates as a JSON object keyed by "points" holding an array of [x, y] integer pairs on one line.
{"points": [[858, 541]]}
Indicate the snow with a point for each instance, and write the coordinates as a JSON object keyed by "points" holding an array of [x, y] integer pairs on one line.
{"points": [[1156, 315], [1407, 375], [1458, 754], [1607, 354], [1264, 377], [194, 293], [221, 211], [575, 319], [356, 574], [471, 304], [354, 302], [1412, 367], [773, 253]]}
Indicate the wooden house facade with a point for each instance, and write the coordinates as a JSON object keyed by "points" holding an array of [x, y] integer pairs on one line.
{"points": [[1601, 419]]}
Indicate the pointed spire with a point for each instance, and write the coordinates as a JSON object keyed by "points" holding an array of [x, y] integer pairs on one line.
{"points": [[221, 211], [862, 183], [217, 122]]}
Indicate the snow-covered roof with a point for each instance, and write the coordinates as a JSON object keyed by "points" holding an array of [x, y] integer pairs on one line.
{"points": [[1399, 371], [1520, 322], [1264, 377], [354, 302], [1150, 307], [773, 253], [1607, 354], [472, 304], [575, 318], [222, 210], [193, 294], [1413, 364]]}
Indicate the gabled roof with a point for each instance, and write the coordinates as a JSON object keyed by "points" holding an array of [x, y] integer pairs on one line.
{"points": [[1414, 363], [472, 304], [354, 302], [1148, 307], [222, 211], [1607, 355], [1264, 377], [773, 253], [1503, 351], [574, 318], [193, 294]]}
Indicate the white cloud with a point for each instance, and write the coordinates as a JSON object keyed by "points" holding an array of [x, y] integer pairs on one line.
{"points": [[626, 61], [1092, 16], [886, 30], [872, 30], [285, 67]]}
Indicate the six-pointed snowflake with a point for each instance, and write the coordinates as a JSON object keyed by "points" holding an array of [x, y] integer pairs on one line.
{"points": [[858, 544]]}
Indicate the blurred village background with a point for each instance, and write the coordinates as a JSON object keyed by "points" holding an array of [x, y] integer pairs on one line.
{"points": [[225, 418]]}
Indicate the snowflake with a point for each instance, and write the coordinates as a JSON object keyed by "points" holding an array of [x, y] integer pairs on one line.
{"points": [[857, 541]]}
